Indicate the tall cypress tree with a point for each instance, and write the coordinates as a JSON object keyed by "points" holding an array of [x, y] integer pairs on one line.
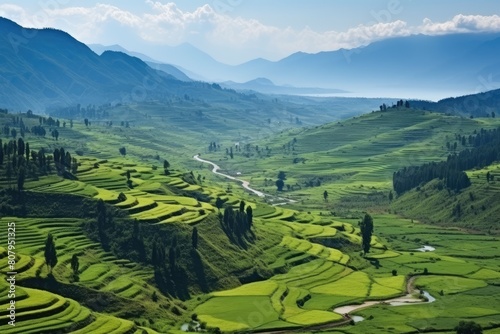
{"points": [[366, 226], [194, 237], [50, 252]]}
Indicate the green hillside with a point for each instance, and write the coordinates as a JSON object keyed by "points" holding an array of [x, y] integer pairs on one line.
{"points": [[132, 227], [350, 159]]}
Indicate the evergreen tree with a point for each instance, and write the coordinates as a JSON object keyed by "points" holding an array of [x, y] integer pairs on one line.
{"points": [[21, 177], [242, 206], [468, 327], [194, 237], [75, 264], [366, 226], [219, 203], [1, 153], [325, 195], [50, 252], [101, 223], [171, 258], [249, 216], [166, 166], [20, 147], [280, 184]]}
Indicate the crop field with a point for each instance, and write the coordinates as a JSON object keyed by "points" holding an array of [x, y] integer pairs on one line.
{"points": [[54, 313], [448, 274]]}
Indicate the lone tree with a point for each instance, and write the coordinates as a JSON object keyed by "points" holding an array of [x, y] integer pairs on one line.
{"points": [[219, 203], [468, 327], [50, 252], [249, 216], [166, 166], [325, 195], [194, 238], [75, 264], [366, 232], [123, 151], [280, 184]]}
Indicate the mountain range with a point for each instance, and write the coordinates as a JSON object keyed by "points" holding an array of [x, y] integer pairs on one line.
{"points": [[47, 68], [43, 68], [420, 66]]}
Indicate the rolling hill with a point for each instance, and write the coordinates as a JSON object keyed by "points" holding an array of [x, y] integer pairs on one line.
{"points": [[140, 269], [354, 160], [477, 105]]}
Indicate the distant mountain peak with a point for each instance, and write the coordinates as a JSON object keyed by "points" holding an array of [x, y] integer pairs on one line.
{"points": [[261, 81]]}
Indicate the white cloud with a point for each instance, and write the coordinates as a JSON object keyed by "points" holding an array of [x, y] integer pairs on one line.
{"points": [[222, 35], [462, 24], [14, 12]]}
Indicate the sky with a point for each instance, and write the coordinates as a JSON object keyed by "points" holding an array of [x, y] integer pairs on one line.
{"points": [[236, 31]]}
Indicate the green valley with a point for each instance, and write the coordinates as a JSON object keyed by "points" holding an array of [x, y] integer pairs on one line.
{"points": [[131, 219]]}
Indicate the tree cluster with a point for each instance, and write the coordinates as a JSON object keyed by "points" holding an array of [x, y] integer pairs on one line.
{"points": [[485, 150], [18, 161], [237, 224], [411, 177]]}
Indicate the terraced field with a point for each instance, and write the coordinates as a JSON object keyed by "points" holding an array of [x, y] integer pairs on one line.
{"points": [[98, 270], [53, 313], [318, 282], [351, 159], [300, 262]]}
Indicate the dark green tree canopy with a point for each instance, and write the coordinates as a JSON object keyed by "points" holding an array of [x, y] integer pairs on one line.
{"points": [[366, 226]]}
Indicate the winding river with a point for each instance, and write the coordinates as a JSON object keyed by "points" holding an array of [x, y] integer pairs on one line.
{"points": [[244, 184]]}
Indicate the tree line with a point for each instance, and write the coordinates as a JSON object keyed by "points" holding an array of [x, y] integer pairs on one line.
{"points": [[19, 162], [484, 151]]}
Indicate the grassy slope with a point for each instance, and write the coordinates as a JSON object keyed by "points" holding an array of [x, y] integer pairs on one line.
{"points": [[353, 158], [479, 203], [309, 278]]}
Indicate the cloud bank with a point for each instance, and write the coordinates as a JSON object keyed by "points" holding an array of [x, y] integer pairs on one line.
{"points": [[227, 38]]}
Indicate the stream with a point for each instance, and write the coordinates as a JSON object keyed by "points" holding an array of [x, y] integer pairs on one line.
{"points": [[409, 299]]}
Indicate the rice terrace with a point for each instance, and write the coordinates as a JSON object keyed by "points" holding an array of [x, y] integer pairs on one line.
{"points": [[348, 186]]}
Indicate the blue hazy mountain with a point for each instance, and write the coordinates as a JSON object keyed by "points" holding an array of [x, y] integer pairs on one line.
{"points": [[446, 65], [153, 63], [459, 62], [48, 67], [266, 86]]}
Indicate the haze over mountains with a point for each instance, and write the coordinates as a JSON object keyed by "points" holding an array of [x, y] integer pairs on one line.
{"points": [[43, 68], [426, 67]]}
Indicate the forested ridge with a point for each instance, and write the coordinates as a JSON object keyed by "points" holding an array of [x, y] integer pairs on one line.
{"points": [[484, 150]]}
